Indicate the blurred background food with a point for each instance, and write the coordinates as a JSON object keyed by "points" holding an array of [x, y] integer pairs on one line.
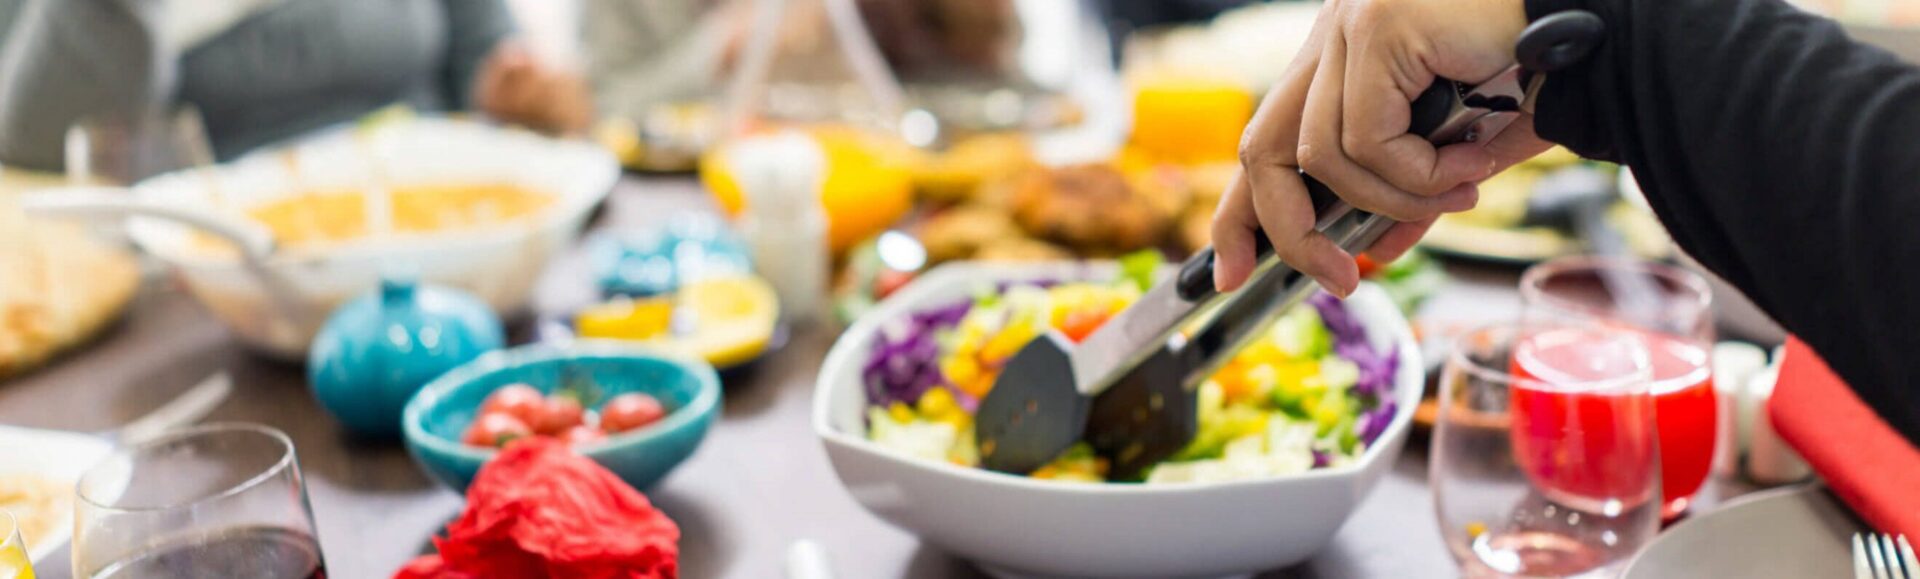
{"points": [[319, 218], [1093, 208], [956, 174], [59, 285], [1510, 223]]}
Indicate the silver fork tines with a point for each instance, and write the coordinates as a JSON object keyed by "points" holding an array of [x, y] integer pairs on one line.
{"points": [[1881, 556]]}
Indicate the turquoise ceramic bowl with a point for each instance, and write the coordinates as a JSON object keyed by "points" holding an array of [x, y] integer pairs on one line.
{"points": [[435, 418]]}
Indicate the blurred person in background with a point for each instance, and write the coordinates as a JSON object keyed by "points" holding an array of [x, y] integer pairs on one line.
{"points": [[1125, 16], [944, 40], [260, 71], [644, 53]]}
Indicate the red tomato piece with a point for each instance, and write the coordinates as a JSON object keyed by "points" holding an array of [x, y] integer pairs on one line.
{"points": [[495, 429], [1366, 264], [1081, 323], [559, 413], [517, 400], [629, 411], [888, 281]]}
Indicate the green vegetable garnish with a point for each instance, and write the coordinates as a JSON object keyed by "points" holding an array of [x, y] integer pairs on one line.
{"points": [[1138, 267], [1300, 334]]}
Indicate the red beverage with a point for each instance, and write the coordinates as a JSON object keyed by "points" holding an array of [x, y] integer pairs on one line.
{"points": [[1688, 412], [1582, 434]]}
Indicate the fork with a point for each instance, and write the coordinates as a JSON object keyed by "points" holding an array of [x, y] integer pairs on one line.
{"points": [[1876, 557]]}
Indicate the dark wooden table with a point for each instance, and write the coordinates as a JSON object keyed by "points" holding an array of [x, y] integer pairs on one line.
{"points": [[760, 481]]}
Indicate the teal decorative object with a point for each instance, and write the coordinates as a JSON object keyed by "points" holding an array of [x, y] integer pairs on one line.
{"points": [[688, 388], [657, 260], [378, 350]]}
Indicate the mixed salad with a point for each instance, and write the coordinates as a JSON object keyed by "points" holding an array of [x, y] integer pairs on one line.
{"points": [[1311, 393]]}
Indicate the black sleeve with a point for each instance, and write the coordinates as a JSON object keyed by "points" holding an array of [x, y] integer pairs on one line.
{"points": [[1781, 154]]}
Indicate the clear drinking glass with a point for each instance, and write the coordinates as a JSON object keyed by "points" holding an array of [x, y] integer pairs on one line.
{"points": [[1671, 310], [126, 147], [220, 500], [14, 562], [1545, 461]]}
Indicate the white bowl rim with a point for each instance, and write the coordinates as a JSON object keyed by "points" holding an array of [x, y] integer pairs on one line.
{"points": [[897, 304], [704, 402], [571, 204]]}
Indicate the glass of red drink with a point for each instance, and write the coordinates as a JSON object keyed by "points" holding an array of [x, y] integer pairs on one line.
{"points": [[1545, 458], [1671, 310], [219, 500]]}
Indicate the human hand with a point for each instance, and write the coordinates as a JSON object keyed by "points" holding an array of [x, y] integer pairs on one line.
{"points": [[1341, 113], [515, 87]]}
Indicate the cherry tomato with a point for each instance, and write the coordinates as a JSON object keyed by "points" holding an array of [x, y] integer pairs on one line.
{"points": [[495, 429], [1081, 323], [517, 400], [559, 413], [629, 411], [582, 435]]}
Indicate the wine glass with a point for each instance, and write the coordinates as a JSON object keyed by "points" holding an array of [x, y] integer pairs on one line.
{"points": [[126, 147], [1545, 460], [220, 500], [14, 562], [1671, 309]]}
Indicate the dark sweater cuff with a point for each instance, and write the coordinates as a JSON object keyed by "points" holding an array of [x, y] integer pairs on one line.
{"points": [[1571, 101]]}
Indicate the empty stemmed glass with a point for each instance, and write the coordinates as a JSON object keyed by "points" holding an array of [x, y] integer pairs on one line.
{"points": [[1545, 460], [220, 500]]}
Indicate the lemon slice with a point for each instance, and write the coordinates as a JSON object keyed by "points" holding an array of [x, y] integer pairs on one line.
{"points": [[625, 319], [732, 319], [13, 559]]}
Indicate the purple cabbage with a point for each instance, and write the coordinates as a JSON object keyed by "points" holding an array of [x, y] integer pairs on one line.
{"points": [[1375, 386], [1374, 422], [1001, 288], [903, 367], [1376, 370], [1344, 326]]}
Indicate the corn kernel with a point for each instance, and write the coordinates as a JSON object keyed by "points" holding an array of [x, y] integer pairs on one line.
{"points": [[900, 412]]}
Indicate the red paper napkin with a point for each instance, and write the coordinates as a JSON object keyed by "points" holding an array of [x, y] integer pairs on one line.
{"points": [[1868, 464], [539, 511]]}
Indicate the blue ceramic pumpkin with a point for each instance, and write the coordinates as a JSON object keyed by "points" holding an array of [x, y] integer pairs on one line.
{"points": [[375, 352]]}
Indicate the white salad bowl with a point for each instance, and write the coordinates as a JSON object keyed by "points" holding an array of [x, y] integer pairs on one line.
{"points": [[1014, 526], [498, 264]]}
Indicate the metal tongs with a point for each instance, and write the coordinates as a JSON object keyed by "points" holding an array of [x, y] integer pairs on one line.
{"points": [[1129, 388]]}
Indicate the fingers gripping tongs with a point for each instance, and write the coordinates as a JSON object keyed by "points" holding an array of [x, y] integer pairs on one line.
{"points": [[1129, 388]]}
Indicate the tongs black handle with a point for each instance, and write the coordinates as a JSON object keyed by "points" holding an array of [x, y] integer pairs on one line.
{"points": [[1430, 110]]}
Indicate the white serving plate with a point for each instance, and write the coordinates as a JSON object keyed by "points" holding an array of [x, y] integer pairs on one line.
{"points": [[1015, 526], [60, 456], [499, 264]]}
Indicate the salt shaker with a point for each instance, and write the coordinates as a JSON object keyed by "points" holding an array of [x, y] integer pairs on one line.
{"points": [[785, 225], [1734, 366], [1770, 460]]}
